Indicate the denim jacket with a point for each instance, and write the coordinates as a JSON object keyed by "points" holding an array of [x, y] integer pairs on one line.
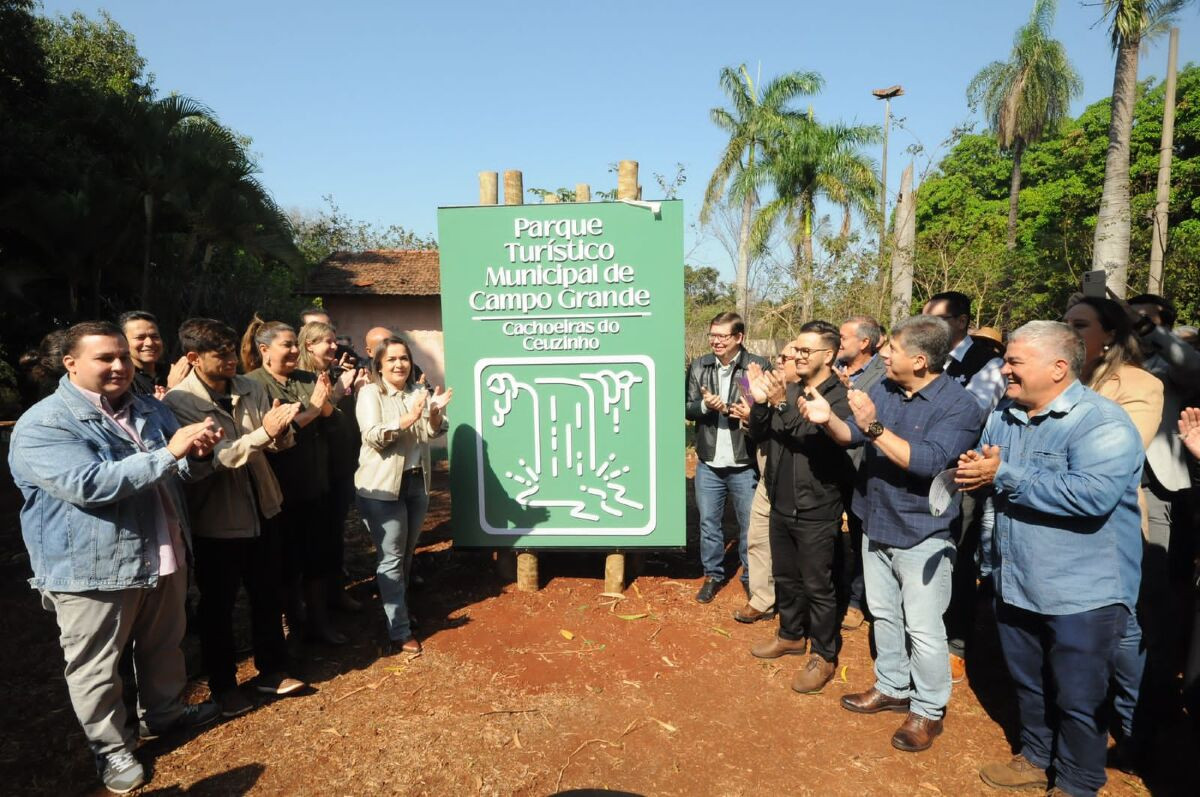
{"points": [[90, 505], [1068, 528]]}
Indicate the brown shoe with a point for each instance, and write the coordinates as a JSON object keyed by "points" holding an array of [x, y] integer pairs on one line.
{"points": [[916, 734], [958, 669], [873, 701], [1016, 774], [854, 619], [775, 647], [816, 673], [748, 614]]}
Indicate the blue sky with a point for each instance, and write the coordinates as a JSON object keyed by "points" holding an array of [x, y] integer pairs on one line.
{"points": [[394, 107]]}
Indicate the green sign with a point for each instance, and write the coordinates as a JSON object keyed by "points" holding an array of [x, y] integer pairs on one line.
{"points": [[563, 329]]}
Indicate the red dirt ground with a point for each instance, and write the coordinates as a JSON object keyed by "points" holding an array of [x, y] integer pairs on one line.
{"points": [[532, 694]]}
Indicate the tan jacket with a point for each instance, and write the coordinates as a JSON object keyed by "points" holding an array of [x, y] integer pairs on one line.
{"points": [[1140, 393], [381, 462], [222, 506]]}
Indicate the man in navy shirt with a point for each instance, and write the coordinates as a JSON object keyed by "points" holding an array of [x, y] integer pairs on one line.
{"points": [[914, 424]]}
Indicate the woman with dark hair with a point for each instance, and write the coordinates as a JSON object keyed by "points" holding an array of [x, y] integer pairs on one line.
{"points": [[1112, 367], [397, 417], [302, 470]]}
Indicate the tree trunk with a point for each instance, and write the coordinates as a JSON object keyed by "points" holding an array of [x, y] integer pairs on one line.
{"points": [[903, 248], [148, 207], [1158, 240], [806, 240], [1110, 250], [1014, 195], [194, 302], [742, 279]]}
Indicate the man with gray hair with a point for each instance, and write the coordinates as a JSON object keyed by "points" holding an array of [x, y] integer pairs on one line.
{"points": [[1063, 465], [913, 425]]}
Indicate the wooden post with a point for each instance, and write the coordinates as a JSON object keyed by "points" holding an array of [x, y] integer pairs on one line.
{"points": [[902, 253], [614, 572], [488, 188], [627, 180], [1158, 239], [550, 199], [527, 571], [583, 192], [514, 188]]}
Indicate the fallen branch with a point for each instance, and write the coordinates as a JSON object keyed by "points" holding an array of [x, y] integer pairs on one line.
{"points": [[628, 728], [511, 711]]}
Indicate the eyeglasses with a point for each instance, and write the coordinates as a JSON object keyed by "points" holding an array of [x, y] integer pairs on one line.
{"points": [[804, 354], [715, 336]]}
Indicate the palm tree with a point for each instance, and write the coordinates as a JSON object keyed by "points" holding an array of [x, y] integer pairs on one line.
{"points": [[807, 162], [1132, 23], [1026, 95], [755, 117]]}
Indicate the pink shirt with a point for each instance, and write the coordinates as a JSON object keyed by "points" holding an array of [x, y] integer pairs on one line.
{"points": [[166, 522]]}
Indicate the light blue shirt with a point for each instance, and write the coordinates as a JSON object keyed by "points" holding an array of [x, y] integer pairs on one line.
{"points": [[1068, 528]]}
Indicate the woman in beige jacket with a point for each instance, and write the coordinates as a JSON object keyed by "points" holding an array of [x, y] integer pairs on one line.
{"points": [[1112, 368], [397, 417]]}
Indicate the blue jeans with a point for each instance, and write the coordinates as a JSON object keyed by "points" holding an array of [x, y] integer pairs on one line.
{"points": [[712, 485], [395, 526], [1060, 666], [908, 590]]}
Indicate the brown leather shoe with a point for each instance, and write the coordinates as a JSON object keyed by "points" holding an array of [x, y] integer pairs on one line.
{"points": [[853, 620], [873, 701], [748, 614], [775, 647], [916, 734], [1016, 774], [816, 673]]}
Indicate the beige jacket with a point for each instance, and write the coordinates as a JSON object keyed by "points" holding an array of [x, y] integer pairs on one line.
{"points": [[1140, 393], [222, 506], [381, 462]]}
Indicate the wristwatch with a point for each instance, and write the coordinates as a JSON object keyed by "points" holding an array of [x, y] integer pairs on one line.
{"points": [[782, 405], [874, 430]]}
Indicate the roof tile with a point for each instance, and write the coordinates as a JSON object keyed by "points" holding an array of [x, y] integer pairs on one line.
{"points": [[377, 272]]}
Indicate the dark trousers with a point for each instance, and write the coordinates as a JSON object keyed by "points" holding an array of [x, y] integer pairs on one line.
{"points": [[221, 567], [848, 564], [1060, 666], [802, 563], [960, 615], [311, 543]]}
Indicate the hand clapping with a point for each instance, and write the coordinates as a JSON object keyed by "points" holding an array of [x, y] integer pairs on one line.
{"points": [[1189, 430], [862, 407], [976, 470]]}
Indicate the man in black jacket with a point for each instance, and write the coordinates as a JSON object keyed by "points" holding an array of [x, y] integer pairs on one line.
{"points": [[726, 459], [807, 476]]}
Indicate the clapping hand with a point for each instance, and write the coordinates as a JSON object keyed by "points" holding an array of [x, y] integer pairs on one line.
{"points": [[815, 409], [713, 402], [862, 407], [976, 469], [178, 372], [437, 404], [276, 420], [417, 407], [322, 392], [195, 439], [1189, 430], [740, 409]]}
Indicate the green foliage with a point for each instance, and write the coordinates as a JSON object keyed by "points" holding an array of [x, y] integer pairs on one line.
{"points": [[962, 211], [320, 234], [94, 55]]}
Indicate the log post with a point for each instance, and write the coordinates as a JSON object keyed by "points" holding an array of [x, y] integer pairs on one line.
{"points": [[527, 571], [627, 180], [514, 188], [488, 188], [614, 572], [550, 199], [583, 192]]}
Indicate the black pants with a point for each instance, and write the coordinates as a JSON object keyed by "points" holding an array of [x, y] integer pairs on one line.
{"points": [[221, 567], [311, 545], [802, 563], [960, 614]]}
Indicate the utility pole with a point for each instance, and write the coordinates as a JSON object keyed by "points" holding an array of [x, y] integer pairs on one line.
{"points": [[1158, 239], [886, 95]]}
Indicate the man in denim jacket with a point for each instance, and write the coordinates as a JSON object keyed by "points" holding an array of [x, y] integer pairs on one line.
{"points": [[1063, 464], [104, 524]]}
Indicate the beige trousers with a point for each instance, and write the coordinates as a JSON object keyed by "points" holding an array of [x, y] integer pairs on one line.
{"points": [[758, 551]]}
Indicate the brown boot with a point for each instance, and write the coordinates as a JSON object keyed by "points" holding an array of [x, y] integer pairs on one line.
{"points": [[873, 701], [1016, 774], [916, 734], [816, 673], [775, 647]]}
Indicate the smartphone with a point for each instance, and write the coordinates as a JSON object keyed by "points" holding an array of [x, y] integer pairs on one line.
{"points": [[1094, 283], [743, 384]]}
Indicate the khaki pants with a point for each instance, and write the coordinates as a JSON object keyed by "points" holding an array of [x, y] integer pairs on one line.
{"points": [[758, 551], [94, 628]]}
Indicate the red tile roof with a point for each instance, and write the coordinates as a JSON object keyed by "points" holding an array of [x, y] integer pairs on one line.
{"points": [[379, 272]]}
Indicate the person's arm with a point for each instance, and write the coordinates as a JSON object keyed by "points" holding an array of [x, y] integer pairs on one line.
{"points": [[368, 410], [819, 413], [1100, 461], [1183, 361], [694, 408]]}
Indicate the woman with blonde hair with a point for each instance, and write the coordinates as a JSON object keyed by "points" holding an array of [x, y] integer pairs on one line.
{"points": [[397, 417], [273, 351]]}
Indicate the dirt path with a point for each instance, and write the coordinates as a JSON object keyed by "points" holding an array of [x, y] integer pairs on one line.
{"points": [[532, 694]]}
